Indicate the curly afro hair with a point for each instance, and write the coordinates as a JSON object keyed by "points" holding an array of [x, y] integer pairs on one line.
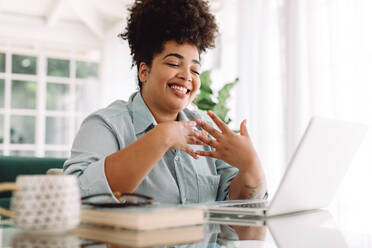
{"points": [[153, 22]]}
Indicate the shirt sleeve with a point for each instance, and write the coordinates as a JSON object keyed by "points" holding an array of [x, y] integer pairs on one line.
{"points": [[227, 174], [93, 143]]}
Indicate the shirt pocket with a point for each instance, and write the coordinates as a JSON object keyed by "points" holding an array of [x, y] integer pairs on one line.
{"points": [[208, 187]]}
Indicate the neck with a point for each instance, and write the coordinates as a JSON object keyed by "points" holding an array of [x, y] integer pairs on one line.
{"points": [[163, 117], [160, 115]]}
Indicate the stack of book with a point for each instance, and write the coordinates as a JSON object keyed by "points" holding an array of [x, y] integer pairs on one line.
{"points": [[142, 226]]}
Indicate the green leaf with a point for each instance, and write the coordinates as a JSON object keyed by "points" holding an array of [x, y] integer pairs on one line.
{"points": [[224, 93], [205, 104], [204, 100], [221, 111], [205, 82]]}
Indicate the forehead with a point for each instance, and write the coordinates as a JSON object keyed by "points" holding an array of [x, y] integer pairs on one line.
{"points": [[187, 50]]}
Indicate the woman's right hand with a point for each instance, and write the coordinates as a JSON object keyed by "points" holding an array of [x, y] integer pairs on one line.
{"points": [[179, 135]]}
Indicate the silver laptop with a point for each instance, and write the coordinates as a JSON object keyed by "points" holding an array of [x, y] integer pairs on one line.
{"points": [[313, 175]]}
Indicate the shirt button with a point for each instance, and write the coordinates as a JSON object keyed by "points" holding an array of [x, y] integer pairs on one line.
{"points": [[176, 158]]}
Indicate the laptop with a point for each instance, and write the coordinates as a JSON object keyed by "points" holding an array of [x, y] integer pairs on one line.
{"points": [[313, 174]]}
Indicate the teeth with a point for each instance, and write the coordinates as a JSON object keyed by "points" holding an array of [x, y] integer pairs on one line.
{"points": [[181, 89]]}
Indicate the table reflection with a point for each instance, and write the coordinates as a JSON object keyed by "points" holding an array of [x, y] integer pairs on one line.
{"points": [[309, 229], [306, 229], [40, 240]]}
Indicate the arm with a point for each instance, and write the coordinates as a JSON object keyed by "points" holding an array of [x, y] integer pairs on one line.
{"points": [[101, 167], [142, 155], [250, 184], [236, 150]]}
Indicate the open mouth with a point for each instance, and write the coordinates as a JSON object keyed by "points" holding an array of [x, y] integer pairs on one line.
{"points": [[179, 88]]}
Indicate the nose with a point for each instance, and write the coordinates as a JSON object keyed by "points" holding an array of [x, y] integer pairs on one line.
{"points": [[184, 74]]}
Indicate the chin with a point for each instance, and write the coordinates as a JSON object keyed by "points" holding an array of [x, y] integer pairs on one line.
{"points": [[177, 107]]}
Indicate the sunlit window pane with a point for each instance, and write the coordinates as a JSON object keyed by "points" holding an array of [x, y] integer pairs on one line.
{"points": [[2, 92], [58, 67], [24, 64], [86, 95], [23, 94], [57, 97], [57, 154], [86, 69], [56, 130], [1, 129], [22, 153], [2, 62], [22, 129]]}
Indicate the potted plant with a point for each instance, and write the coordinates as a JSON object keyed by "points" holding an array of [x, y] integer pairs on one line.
{"points": [[205, 99]]}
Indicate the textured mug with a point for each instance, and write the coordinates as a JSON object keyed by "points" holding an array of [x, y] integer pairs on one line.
{"points": [[48, 203]]}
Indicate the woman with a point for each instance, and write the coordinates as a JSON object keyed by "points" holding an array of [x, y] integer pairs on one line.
{"points": [[153, 144]]}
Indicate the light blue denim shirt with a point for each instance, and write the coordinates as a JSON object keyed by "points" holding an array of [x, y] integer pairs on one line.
{"points": [[176, 178]]}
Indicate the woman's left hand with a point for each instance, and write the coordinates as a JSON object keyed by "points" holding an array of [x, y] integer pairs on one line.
{"points": [[234, 149]]}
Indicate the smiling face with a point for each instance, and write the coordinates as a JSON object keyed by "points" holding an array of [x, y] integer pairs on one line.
{"points": [[172, 81]]}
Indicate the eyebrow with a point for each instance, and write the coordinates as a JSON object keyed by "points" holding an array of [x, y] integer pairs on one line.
{"points": [[180, 57]]}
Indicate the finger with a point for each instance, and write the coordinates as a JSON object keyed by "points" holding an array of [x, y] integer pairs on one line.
{"points": [[205, 133], [195, 141], [189, 123], [197, 133], [205, 139], [211, 154], [190, 151], [208, 128], [243, 128], [220, 124], [194, 137]]}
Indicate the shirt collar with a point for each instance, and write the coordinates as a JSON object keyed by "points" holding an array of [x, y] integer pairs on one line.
{"points": [[142, 117], [182, 116]]}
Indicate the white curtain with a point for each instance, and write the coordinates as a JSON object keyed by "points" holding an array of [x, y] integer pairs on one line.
{"points": [[299, 58]]}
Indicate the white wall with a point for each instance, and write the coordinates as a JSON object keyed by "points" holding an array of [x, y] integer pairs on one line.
{"points": [[32, 32], [118, 79]]}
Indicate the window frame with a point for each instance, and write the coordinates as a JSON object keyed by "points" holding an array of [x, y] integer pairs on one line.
{"points": [[40, 112]]}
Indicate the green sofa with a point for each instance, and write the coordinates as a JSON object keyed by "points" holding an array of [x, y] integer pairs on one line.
{"points": [[11, 167]]}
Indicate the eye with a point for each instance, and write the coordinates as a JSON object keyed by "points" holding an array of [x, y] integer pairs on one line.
{"points": [[195, 72], [172, 64]]}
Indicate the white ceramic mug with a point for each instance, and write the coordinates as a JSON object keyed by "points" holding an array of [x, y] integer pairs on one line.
{"points": [[48, 203]]}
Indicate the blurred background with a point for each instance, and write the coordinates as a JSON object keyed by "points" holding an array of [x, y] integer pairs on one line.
{"points": [[61, 60]]}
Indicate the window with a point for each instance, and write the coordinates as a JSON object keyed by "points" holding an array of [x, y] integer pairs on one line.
{"points": [[43, 99]]}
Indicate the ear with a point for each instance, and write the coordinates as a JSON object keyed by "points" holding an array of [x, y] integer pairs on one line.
{"points": [[143, 72]]}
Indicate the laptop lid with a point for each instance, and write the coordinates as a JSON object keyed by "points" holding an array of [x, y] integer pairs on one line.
{"points": [[318, 166]]}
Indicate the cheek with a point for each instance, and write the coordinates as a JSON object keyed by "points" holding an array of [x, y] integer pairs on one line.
{"points": [[196, 85], [195, 91]]}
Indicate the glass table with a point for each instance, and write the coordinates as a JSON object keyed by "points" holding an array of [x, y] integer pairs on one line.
{"points": [[308, 229]]}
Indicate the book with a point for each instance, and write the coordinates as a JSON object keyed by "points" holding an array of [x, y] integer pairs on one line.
{"points": [[144, 218], [133, 238]]}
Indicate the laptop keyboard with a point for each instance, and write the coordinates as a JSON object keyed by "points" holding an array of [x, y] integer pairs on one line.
{"points": [[247, 205]]}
